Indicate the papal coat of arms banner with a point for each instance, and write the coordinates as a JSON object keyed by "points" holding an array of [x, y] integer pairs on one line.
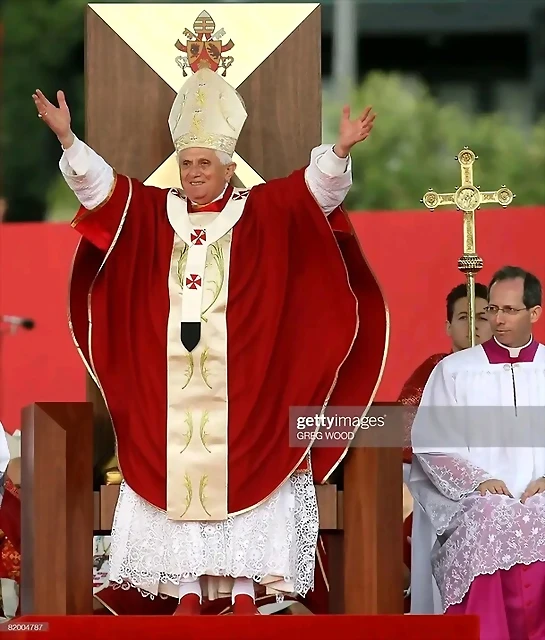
{"points": [[161, 35], [204, 48]]}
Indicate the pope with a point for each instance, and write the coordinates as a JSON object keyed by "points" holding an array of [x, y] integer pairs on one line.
{"points": [[205, 315]]}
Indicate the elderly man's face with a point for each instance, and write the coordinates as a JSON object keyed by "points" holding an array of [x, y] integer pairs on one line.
{"points": [[203, 175]]}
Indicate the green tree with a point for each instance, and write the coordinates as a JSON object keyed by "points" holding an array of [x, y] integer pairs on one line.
{"points": [[415, 140], [43, 49]]}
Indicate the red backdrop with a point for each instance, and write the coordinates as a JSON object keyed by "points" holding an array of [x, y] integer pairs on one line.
{"points": [[42, 364], [413, 254]]}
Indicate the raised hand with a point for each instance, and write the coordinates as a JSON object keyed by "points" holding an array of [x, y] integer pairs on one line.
{"points": [[56, 118], [352, 132]]}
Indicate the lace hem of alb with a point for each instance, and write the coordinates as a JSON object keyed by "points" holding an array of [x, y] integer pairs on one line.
{"points": [[449, 479], [491, 533], [278, 538]]}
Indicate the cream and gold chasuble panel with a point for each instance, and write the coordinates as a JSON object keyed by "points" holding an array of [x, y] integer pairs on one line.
{"points": [[197, 455]]}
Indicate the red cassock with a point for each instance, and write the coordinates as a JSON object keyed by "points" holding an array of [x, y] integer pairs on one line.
{"points": [[293, 315]]}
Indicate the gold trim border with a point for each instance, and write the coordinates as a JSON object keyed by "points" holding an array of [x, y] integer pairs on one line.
{"points": [[95, 596], [69, 314], [384, 353], [90, 365], [77, 219]]}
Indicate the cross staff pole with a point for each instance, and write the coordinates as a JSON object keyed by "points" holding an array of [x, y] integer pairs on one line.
{"points": [[468, 198]]}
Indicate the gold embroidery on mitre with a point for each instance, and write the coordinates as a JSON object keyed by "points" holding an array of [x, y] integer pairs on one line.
{"points": [[207, 141], [207, 112]]}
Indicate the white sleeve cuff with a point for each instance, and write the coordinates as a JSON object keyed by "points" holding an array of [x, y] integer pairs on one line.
{"points": [[88, 175], [330, 163], [328, 177], [75, 159]]}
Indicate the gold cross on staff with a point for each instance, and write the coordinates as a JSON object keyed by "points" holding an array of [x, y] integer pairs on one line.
{"points": [[468, 199]]}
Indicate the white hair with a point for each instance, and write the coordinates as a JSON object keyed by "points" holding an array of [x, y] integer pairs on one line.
{"points": [[225, 158]]}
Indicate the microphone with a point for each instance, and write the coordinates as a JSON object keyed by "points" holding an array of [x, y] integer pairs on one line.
{"points": [[17, 321]]}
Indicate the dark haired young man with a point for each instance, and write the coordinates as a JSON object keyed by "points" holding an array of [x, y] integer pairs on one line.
{"points": [[456, 328]]}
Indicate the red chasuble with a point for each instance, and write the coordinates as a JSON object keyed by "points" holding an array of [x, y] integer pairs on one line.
{"points": [[306, 320]]}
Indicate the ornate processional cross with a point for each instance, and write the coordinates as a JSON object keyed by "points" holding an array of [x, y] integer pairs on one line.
{"points": [[468, 199]]}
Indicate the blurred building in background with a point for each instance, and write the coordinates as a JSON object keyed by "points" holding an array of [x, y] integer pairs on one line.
{"points": [[486, 55]]}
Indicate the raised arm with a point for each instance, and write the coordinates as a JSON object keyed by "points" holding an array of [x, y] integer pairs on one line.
{"points": [[89, 176], [104, 197], [329, 174]]}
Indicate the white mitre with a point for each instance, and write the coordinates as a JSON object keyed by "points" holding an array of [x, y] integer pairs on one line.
{"points": [[207, 113]]}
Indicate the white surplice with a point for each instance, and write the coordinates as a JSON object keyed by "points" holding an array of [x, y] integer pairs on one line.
{"points": [[478, 421]]}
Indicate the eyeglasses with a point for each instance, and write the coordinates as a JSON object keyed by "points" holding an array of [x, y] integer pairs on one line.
{"points": [[510, 311]]}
